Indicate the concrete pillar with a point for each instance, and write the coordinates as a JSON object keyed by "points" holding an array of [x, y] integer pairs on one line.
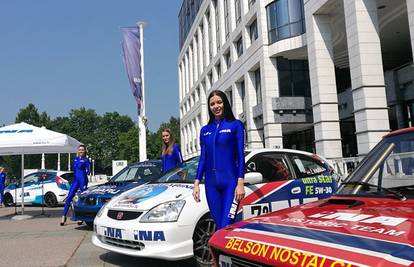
{"points": [[206, 42], [186, 72], [203, 106], [190, 66], [222, 34], [200, 51], [237, 101], [213, 29], [410, 12], [180, 83], [323, 84], [273, 134], [367, 75], [195, 58], [254, 139]]}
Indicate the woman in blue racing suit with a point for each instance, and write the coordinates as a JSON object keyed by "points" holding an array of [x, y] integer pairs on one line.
{"points": [[171, 154], [2, 182], [81, 170], [221, 160]]}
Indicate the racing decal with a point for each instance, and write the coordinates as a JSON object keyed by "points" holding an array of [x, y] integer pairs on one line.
{"points": [[113, 232], [102, 190], [144, 193], [149, 235], [395, 252], [364, 218], [278, 254]]}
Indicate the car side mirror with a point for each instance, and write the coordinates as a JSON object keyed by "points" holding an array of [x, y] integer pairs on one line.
{"points": [[253, 178]]}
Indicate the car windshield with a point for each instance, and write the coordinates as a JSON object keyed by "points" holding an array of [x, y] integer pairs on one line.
{"points": [[142, 172], [185, 173], [388, 170]]}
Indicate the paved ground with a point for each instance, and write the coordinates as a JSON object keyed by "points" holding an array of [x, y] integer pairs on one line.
{"points": [[41, 241]]}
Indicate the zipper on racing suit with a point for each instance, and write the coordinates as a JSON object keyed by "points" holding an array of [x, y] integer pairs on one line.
{"points": [[214, 147]]}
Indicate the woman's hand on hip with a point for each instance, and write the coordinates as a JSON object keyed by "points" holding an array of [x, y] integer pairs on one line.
{"points": [[196, 192], [239, 192]]}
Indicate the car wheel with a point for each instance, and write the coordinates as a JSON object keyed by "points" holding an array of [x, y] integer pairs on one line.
{"points": [[50, 200], [89, 224], [8, 200], [205, 228]]}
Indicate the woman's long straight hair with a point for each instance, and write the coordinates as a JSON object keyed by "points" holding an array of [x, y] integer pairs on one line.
{"points": [[228, 113], [168, 149]]}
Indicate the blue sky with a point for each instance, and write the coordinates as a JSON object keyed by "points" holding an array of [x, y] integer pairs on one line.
{"points": [[62, 55]]}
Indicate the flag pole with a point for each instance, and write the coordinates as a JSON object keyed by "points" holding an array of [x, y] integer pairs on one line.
{"points": [[142, 119]]}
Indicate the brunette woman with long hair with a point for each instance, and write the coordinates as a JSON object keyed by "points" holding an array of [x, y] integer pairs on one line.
{"points": [[221, 160], [81, 170], [171, 154]]}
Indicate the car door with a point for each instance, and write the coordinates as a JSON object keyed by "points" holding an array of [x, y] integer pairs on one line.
{"points": [[30, 184], [315, 178], [274, 192]]}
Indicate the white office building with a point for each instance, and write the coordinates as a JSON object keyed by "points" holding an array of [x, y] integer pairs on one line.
{"points": [[328, 76]]}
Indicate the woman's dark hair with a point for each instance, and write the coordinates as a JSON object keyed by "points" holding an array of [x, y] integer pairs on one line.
{"points": [[228, 113]]}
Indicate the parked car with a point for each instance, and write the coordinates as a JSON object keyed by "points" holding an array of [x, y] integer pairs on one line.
{"points": [[162, 220], [368, 222], [47, 187], [87, 204]]}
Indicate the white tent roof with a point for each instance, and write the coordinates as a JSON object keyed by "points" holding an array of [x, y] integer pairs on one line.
{"points": [[23, 138]]}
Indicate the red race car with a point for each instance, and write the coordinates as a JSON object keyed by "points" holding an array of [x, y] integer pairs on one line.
{"points": [[368, 222]]}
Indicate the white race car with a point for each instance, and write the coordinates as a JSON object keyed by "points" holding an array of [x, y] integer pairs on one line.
{"points": [[47, 187], [162, 220]]}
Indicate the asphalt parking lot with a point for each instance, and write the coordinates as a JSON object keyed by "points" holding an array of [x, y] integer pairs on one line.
{"points": [[41, 241]]}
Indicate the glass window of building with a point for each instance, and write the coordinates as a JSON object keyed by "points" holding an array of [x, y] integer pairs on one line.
{"points": [[250, 3], [218, 70], [210, 36], [242, 94], [293, 77], [216, 13], [258, 86], [237, 7], [285, 19], [226, 18], [239, 46], [227, 59], [253, 31], [229, 94]]}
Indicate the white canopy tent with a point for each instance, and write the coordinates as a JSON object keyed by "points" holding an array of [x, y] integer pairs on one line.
{"points": [[22, 139]]}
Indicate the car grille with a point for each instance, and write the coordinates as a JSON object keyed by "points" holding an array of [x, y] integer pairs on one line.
{"points": [[135, 245], [237, 261], [123, 215], [89, 201], [85, 213]]}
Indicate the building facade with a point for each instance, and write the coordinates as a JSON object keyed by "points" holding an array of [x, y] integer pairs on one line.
{"points": [[326, 76]]}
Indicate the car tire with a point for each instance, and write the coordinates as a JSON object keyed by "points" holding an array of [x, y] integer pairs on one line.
{"points": [[8, 200], [204, 229], [50, 200]]}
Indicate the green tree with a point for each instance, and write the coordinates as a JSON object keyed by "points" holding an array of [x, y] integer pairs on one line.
{"points": [[128, 145], [30, 115]]}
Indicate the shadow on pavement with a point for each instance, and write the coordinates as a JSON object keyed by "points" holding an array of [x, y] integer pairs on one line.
{"points": [[124, 260], [6, 213]]}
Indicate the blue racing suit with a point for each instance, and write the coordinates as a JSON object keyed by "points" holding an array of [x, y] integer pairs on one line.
{"points": [[222, 163], [81, 170], [2, 181], [173, 160]]}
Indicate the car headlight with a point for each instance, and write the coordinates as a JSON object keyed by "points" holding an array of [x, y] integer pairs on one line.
{"points": [[165, 212], [101, 211], [76, 198]]}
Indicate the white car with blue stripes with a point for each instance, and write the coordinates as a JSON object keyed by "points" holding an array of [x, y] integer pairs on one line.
{"points": [[162, 220], [47, 187]]}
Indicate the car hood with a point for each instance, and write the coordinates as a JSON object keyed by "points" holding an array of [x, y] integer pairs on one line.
{"points": [[148, 196], [109, 189], [349, 231]]}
